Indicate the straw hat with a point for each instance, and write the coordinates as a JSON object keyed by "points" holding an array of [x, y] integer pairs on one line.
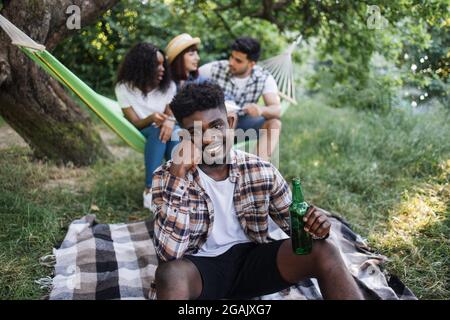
{"points": [[178, 44]]}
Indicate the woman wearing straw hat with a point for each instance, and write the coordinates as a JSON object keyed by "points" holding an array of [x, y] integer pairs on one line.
{"points": [[182, 56], [144, 90]]}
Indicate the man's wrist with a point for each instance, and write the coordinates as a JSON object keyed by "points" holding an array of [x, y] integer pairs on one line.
{"points": [[321, 238], [170, 123], [261, 110]]}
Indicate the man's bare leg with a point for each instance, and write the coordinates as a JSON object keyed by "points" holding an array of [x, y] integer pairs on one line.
{"points": [[269, 138], [325, 264], [178, 280]]}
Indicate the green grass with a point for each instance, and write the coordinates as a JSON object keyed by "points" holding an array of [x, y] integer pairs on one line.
{"points": [[39, 200], [388, 175]]}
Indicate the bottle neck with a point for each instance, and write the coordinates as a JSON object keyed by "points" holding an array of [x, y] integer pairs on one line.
{"points": [[297, 193]]}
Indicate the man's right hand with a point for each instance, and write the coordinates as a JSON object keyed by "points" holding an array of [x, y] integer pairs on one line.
{"points": [[185, 157]]}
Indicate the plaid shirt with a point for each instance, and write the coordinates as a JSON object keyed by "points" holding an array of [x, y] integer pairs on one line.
{"points": [[184, 213], [220, 73]]}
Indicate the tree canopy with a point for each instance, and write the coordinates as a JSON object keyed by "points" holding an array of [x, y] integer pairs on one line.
{"points": [[346, 35], [369, 55]]}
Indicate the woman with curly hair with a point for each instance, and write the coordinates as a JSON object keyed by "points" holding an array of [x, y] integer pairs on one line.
{"points": [[183, 58], [144, 90]]}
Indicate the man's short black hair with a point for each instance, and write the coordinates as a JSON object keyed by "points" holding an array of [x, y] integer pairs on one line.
{"points": [[249, 46], [195, 97]]}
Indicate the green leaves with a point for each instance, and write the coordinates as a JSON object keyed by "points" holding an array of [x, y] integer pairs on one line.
{"points": [[345, 43]]}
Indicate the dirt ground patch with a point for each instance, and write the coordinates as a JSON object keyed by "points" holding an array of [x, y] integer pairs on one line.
{"points": [[67, 177], [10, 138], [113, 143]]}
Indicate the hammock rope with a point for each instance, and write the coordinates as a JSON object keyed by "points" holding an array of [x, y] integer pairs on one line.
{"points": [[281, 68], [19, 38]]}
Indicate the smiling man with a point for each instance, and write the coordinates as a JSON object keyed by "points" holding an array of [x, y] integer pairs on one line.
{"points": [[212, 207], [244, 82]]}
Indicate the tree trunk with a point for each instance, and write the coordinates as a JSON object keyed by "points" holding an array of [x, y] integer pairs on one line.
{"points": [[35, 105]]}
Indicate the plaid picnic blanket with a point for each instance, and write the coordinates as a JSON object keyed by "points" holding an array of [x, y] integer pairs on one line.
{"points": [[118, 261]]}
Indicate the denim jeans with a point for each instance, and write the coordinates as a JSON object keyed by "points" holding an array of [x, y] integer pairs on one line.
{"points": [[247, 122], [156, 150]]}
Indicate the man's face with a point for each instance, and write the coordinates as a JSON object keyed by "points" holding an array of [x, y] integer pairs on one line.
{"points": [[239, 64], [210, 131]]}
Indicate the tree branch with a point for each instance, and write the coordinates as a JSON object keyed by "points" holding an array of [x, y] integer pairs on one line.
{"points": [[232, 5], [5, 68], [269, 8], [35, 105], [90, 12], [225, 24], [281, 4]]}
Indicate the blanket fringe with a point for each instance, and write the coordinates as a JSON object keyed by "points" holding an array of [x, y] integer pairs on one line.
{"points": [[48, 260], [44, 283]]}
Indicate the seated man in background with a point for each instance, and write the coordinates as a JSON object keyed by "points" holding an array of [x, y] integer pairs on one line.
{"points": [[244, 83]]}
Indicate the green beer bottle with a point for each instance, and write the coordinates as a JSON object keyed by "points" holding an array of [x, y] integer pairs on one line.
{"points": [[301, 240]]}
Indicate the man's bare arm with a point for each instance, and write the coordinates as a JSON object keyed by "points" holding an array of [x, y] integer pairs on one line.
{"points": [[272, 107], [270, 110], [139, 123]]}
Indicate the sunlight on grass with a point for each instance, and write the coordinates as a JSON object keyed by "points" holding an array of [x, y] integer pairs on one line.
{"points": [[412, 216], [417, 237], [387, 175]]}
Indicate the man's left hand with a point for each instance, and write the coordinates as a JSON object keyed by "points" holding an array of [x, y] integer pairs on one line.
{"points": [[317, 222], [252, 109]]}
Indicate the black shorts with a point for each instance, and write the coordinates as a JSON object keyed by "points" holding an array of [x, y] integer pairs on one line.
{"points": [[245, 271]]}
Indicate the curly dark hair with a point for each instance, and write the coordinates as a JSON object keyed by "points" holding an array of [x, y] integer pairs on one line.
{"points": [[139, 69], [177, 69], [195, 97], [249, 46]]}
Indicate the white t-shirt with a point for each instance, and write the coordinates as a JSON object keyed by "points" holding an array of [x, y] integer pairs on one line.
{"points": [[155, 101], [226, 231], [270, 86]]}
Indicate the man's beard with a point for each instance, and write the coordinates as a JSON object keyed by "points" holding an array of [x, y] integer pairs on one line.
{"points": [[215, 165], [235, 73]]}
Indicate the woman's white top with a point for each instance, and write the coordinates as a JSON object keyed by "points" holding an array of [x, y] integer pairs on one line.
{"points": [[154, 101]]}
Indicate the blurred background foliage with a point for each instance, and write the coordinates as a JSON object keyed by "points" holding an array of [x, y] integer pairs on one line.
{"points": [[403, 63]]}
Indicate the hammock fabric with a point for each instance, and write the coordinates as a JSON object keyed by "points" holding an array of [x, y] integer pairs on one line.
{"points": [[107, 109]]}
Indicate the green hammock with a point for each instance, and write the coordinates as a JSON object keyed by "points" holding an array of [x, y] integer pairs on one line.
{"points": [[105, 108]]}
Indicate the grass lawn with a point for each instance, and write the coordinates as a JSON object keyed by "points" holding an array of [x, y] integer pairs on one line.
{"points": [[388, 175]]}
